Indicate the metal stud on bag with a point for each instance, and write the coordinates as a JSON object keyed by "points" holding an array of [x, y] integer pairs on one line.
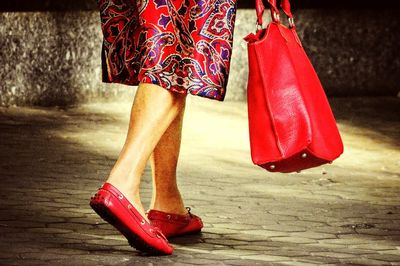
{"points": [[303, 155], [276, 16], [272, 166], [291, 22], [258, 26]]}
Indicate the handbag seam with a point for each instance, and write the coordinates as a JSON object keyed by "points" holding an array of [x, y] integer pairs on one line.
{"points": [[278, 143], [309, 131], [309, 128]]}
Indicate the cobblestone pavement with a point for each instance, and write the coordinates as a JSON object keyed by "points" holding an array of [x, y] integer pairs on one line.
{"points": [[52, 160]]}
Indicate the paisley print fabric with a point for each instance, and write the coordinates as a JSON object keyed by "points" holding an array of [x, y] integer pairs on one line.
{"points": [[182, 45]]}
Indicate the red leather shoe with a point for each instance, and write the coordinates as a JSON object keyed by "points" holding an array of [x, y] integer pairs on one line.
{"points": [[115, 209], [175, 224]]}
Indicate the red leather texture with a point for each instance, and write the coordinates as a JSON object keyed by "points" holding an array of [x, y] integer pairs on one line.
{"points": [[172, 225], [116, 209], [285, 5], [291, 124], [260, 10]]}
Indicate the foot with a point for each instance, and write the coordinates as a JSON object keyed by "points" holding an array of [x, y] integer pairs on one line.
{"points": [[114, 207], [169, 201], [132, 196], [172, 225]]}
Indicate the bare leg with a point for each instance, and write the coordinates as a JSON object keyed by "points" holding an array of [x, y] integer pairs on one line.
{"points": [[153, 110], [164, 159]]}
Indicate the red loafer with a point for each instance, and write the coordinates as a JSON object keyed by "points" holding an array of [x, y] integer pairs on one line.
{"points": [[175, 224], [115, 209]]}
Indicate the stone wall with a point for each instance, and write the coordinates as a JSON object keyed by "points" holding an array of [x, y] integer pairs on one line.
{"points": [[53, 57]]}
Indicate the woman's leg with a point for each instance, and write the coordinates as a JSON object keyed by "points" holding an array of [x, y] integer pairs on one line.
{"points": [[153, 110], [166, 196]]}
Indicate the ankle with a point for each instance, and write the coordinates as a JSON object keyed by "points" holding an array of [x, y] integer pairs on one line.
{"points": [[172, 204], [176, 209], [167, 192], [124, 185], [131, 193]]}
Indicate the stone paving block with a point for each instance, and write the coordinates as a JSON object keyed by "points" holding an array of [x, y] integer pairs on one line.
{"points": [[21, 224], [258, 247], [56, 239], [235, 226], [333, 230], [297, 262], [227, 242], [284, 228], [202, 262], [220, 231], [307, 224], [235, 252], [199, 246], [355, 251], [42, 256], [264, 234], [345, 241], [391, 252], [44, 219], [246, 237], [388, 226], [19, 261], [281, 218], [363, 261], [99, 259], [109, 242], [383, 257], [320, 260], [333, 254], [76, 226], [313, 235], [293, 239], [205, 254], [377, 245], [206, 235], [247, 262], [264, 257], [6, 255], [65, 251], [65, 213]]}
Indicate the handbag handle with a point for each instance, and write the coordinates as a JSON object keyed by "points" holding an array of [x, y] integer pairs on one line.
{"points": [[285, 5]]}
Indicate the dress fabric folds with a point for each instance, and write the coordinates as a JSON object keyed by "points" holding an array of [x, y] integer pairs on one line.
{"points": [[181, 45]]}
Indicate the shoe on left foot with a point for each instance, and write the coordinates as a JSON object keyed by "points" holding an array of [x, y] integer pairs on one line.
{"points": [[116, 209], [172, 224]]}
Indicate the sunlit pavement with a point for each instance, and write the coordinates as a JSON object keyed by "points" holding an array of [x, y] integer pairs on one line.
{"points": [[344, 213]]}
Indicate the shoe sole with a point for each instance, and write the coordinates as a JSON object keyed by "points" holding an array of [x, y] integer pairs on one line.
{"points": [[133, 239]]}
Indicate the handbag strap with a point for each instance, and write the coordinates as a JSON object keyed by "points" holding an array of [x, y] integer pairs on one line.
{"points": [[285, 5]]}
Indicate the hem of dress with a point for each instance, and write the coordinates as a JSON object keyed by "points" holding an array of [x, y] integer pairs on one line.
{"points": [[106, 77], [221, 99]]}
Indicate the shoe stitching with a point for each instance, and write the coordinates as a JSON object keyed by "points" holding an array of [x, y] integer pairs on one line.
{"points": [[188, 209], [115, 192]]}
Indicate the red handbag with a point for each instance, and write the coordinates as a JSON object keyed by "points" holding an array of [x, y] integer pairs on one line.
{"points": [[291, 124]]}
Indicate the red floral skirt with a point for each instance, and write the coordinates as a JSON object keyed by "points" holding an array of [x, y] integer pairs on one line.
{"points": [[181, 45]]}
